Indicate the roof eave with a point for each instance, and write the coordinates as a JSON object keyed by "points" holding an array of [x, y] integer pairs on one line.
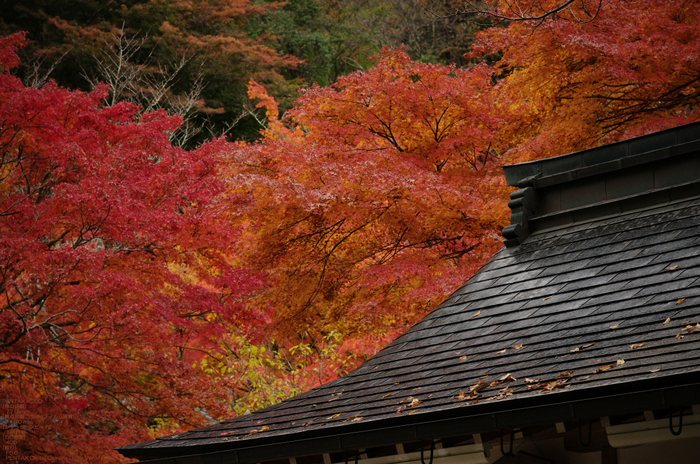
{"points": [[652, 394]]}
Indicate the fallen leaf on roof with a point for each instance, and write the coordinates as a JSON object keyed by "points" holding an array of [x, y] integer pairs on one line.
{"points": [[406, 400], [530, 381], [655, 370], [225, 439], [413, 412], [478, 387], [476, 314], [517, 347], [667, 321], [414, 403], [355, 419], [615, 326], [547, 298], [565, 374], [635, 346], [334, 416], [306, 424], [604, 368], [685, 322], [505, 378], [672, 268], [588, 345], [387, 395], [484, 377], [680, 301], [417, 388], [692, 328], [554, 385], [264, 428], [679, 336], [502, 351], [462, 358], [401, 409], [620, 362], [585, 377]]}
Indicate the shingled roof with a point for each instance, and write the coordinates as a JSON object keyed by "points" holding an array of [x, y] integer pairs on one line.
{"points": [[592, 310]]}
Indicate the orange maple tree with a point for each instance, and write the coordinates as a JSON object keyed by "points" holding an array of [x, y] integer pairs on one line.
{"points": [[567, 84], [381, 197]]}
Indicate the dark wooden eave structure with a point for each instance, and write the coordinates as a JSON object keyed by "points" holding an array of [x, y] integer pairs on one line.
{"points": [[588, 314]]}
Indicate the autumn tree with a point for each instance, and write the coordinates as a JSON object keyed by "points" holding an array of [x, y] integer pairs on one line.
{"points": [[382, 197], [570, 84], [116, 273], [211, 35]]}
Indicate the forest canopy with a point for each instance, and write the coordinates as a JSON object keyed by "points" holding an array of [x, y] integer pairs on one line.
{"points": [[208, 206]]}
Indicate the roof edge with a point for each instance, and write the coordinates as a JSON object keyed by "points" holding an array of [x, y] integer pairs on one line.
{"points": [[604, 157], [652, 394]]}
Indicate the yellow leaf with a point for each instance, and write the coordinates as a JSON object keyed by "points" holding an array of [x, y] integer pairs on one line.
{"points": [[547, 298], [680, 301], [620, 362], [463, 358], [387, 395], [413, 412], [502, 351], [264, 428], [334, 416], [517, 347], [615, 326], [667, 321], [477, 314], [637, 345], [655, 370], [672, 268]]}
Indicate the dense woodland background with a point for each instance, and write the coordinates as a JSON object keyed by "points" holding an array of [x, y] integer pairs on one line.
{"points": [[208, 206]]}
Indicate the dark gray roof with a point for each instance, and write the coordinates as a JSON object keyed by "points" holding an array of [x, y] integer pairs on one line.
{"points": [[577, 316]]}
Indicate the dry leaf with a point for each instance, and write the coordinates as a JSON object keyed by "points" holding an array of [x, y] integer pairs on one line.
{"points": [[406, 400], [401, 409], [413, 412], [667, 321], [605, 368], [417, 388], [264, 428], [655, 370], [505, 378], [334, 416], [462, 358], [306, 424], [502, 351], [679, 336], [478, 387], [547, 298], [615, 326], [637, 345], [588, 345], [555, 385], [693, 328], [565, 374], [477, 313], [672, 268], [414, 403], [387, 395], [576, 350], [680, 301], [356, 418], [517, 347], [584, 377], [620, 362], [530, 381]]}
